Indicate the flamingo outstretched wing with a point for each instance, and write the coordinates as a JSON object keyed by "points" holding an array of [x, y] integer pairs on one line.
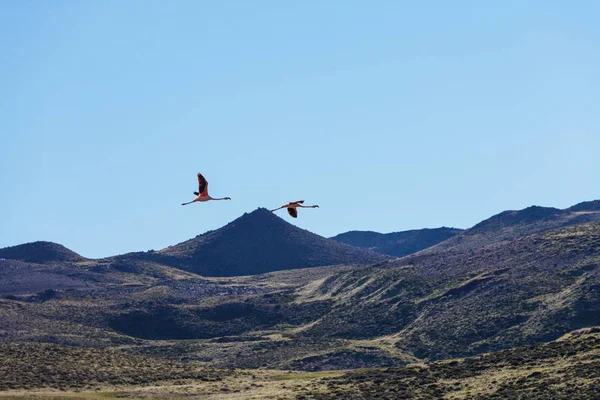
{"points": [[202, 185], [293, 212]]}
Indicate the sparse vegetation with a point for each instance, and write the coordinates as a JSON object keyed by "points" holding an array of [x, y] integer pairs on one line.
{"points": [[566, 368], [39, 365], [561, 369]]}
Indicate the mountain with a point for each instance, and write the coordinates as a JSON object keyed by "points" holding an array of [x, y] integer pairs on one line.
{"points": [[509, 225], [397, 244], [40, 252], [259, 242]]}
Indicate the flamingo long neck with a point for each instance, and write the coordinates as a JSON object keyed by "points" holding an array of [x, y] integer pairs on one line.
{"points": [[221, 198], [306, 206]]}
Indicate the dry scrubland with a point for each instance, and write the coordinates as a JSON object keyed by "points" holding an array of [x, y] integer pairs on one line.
{"points": [[568, 368], [506, 309]]}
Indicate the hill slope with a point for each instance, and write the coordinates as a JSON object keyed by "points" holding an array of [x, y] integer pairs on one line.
{"points": [[260, 242], [509, 225], [397, 244], [40, 252], [455, 303]]}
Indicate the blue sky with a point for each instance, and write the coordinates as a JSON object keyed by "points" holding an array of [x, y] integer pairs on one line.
{"points": [[390, 115]]}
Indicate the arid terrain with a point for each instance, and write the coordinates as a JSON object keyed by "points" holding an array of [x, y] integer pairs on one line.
{"points": [[261, 309]]}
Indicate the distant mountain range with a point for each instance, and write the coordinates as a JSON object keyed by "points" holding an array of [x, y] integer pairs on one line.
{"points": [[397, 244], [260, 242], [517, 278], [504, 226], [254, 243]]}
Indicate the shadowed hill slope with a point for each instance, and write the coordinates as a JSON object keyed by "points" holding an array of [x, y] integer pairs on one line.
{"points": [[397, 244], [40, 252], [260, 242]]}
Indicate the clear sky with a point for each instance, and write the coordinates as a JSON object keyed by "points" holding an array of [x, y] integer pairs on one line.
{"points": [[391, 115]]}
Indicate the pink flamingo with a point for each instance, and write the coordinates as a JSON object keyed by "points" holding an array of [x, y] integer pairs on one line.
{"points": [[202, 193], [292, 207]]}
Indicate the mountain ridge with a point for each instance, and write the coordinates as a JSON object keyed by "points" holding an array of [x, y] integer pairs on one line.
{"points": [[593, 205], [511, 224], [266, 234], [397, 244]]}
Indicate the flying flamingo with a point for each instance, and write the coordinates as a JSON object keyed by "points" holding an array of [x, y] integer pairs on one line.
{"points": [[202, 193], [292, 207]]}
